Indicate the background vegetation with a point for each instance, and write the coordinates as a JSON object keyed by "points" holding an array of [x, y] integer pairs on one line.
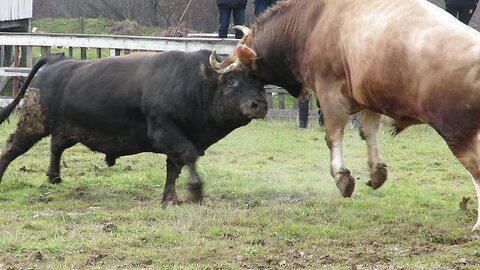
{"points": [[201, 15], [270, 204]]}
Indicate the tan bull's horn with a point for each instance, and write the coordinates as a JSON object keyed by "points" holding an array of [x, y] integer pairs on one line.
{"points": [[213, 61], [246, 31], [231, 67]]}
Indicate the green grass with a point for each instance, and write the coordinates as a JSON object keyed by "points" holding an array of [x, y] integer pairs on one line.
{"points": [[91, 26], [270, 204]]}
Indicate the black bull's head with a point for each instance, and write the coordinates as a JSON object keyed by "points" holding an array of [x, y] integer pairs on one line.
{"points": [[239, 86]]}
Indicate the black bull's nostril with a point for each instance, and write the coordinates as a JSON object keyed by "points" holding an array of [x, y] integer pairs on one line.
{"points": [[255, 108]]}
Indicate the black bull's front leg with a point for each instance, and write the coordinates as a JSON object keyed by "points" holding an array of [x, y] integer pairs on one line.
{"points": [[169, 139]]}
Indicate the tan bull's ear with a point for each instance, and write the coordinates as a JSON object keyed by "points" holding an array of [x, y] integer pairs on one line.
{"points": [[246, 55]]}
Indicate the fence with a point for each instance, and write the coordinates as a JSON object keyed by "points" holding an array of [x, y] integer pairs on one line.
{"points": [[280, 103]]}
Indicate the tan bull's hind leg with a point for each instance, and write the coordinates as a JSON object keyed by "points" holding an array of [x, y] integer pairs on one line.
{"points": [[470, 159], [336, 111], [369, 126], [476, 182]]}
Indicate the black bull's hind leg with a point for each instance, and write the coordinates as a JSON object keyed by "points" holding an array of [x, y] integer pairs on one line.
{"points": [[58, 144], [169, 191], [30, 129]]}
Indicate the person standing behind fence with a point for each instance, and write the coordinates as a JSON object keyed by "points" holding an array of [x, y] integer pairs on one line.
{"points": [[228, 8], [303, 110], [261, 5], [461, 9]]}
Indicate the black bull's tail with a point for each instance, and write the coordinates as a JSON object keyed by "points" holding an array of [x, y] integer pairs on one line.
{"points": [[47, 59]]}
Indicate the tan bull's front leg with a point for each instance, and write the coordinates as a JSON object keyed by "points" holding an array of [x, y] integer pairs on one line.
{"points": [[369, 126], [336, 109], [342, 176]]}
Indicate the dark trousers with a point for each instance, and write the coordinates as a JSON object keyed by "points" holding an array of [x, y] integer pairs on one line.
{"points": [[224, 21], [462, 12], [261, 5], [303, 114]]}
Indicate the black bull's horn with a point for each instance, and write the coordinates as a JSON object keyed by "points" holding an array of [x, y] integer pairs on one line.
{"points": [[216, 65]]}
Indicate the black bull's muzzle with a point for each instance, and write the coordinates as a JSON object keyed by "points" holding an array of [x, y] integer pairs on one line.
{"points": [[254, 107]]}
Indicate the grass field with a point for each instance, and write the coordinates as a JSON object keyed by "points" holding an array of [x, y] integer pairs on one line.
{"points": [[270, 204], [93, 26]]}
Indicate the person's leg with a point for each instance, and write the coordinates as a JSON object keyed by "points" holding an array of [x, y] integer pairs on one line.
{"points": [[260, 7], [224, 21], [271, 2], [452, 9], [321, 121], [465, 13], [303, 113], [239, 19]]}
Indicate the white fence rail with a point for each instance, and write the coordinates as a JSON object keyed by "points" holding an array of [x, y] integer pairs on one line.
{"points": [[222, 46]]}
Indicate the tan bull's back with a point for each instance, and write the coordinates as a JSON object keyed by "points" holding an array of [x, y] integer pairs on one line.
{"points": [[392, 62]]}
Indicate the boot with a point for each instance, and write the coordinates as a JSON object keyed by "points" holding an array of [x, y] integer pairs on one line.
{"points": [[303, 113], [321, 121]]}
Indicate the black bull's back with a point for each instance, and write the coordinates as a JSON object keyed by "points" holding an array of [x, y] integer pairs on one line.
{"points": [[173, 103]]}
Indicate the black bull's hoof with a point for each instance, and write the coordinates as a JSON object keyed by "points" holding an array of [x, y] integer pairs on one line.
{"points": [[196, 194], [54, 180], [345, 182], [170, 200]]}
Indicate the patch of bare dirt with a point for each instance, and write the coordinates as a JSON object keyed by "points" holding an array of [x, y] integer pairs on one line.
{"points": [[96, 259], [35, 256]]}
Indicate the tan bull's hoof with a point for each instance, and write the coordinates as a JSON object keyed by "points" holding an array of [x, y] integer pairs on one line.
{"points": [[476, 227], [379, 176], [345, 183]]}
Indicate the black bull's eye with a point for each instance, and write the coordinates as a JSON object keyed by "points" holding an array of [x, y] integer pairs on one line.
{"points": [[232, 83]]}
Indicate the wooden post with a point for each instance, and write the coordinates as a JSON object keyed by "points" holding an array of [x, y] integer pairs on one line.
{"points": [[281, 101], [29, 55], [269, 97], [295, 103], [70, 52], [99, 52], [44, 50], [83, 53], [16, 63]]}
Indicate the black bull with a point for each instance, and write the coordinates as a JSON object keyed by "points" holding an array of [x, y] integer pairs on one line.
{"points": [[173, 103]]}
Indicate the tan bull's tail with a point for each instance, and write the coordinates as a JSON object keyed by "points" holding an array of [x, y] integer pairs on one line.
{"points": [[47, 59]]}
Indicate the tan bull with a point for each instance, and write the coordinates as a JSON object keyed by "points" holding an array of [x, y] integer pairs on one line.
{"points": [[408, 59]]}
